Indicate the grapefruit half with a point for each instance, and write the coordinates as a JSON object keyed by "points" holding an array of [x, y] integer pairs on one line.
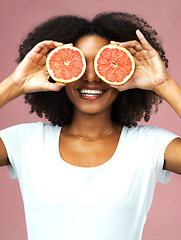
{"points": [[114, 64], [66, 64]]}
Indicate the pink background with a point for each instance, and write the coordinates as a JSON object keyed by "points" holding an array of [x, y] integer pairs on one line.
{"points": [[16, 18]]}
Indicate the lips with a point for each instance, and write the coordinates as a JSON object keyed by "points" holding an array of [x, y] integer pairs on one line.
{"points": [[90, 94]]}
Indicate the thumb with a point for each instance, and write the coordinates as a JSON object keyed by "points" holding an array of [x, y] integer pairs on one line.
{"points": [[123, 87], [47, 86]]}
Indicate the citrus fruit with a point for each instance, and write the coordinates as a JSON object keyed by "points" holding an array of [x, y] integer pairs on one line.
{"points": [[114, 64], [66, 64]]}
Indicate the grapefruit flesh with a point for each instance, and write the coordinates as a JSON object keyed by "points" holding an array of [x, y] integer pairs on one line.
{"points": [[66, 64], [114, 64]]}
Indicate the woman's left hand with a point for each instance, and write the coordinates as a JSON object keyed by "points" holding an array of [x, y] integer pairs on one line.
{"points": [[150, 71]]}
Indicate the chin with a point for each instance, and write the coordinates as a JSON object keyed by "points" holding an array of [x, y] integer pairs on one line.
{"points": [[94, 110]]}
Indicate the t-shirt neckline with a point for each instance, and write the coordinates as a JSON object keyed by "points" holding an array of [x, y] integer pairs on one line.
{"points": [[108, 162]]}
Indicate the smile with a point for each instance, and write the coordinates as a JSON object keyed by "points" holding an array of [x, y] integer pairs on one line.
{"points": [[90, 94]]}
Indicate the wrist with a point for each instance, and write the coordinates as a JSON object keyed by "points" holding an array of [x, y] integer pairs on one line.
{"points": [[164, 87], [8, 91], [171, 93]]}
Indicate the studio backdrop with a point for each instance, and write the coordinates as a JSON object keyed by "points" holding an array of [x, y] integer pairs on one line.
{"points": [[19, 17]]}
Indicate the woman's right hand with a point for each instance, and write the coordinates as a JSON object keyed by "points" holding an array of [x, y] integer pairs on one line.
{"points": [[31, 74]]}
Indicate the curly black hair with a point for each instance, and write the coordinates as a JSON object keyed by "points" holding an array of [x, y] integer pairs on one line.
{"points": [[130, 106]]}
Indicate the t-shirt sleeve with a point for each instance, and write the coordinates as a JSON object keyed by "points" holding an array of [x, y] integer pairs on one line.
{"points": [[159, 140], [15, 140]]}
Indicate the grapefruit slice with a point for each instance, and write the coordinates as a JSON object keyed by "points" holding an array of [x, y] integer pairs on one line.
{"points": [[66, 64], [114, 64]]}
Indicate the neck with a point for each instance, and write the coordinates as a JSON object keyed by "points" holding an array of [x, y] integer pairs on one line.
{"points": [[91, 126]]}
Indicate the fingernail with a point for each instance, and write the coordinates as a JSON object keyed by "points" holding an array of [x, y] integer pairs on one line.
{"points": [[113, 42], [69, 44], [60, 43], [138, 31], [113, 86]]}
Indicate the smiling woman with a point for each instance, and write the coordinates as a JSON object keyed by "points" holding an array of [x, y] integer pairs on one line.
{"points": [[101, 168], [68, 29]]}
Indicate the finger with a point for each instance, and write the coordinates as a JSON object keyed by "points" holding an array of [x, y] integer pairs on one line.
{"points": [[132, 44], [57, 44], [128, 85], [143, 40], [47, 86], [132, 51], [58, 86], [121, 88], [114, 42], [69, 44], [40, 50], [45, 46]]}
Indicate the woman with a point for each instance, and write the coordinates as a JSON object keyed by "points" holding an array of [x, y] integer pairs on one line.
{"points": [[91, 173]]}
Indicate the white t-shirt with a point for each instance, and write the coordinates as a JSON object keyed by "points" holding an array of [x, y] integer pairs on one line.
{"points": [[66, 202]]}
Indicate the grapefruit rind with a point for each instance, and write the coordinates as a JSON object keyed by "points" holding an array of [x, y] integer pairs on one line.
{"points": [[127, 77], [51, 71]]}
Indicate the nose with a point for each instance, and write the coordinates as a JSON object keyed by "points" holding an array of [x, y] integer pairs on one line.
{"points": [[90, 74]]}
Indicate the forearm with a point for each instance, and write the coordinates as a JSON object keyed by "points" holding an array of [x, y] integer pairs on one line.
{"points": [[8, 91], [171, 93]]}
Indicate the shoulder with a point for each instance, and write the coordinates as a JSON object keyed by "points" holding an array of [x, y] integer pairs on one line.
{"points": [[28, 129], [148, 134], [146, 130]]}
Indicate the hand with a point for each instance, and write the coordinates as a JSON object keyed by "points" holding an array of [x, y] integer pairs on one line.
{"points": [[31, 75], [150, 71]]}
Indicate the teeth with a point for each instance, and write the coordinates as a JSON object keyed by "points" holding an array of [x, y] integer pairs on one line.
{"points": [[90, 92]]}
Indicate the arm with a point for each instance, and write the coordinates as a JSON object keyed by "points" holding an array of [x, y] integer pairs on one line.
{"points": [[3, 155], [151, 74], [171, 93], [30, 75]]}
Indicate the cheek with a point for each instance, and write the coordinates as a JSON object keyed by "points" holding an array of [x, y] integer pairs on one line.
{"points": [[113, 94], [69, 91]]}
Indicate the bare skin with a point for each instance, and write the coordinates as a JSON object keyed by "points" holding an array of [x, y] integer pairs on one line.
{"points": [[92, 116]]}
